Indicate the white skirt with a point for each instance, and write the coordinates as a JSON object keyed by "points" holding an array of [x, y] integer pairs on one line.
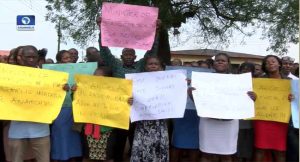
{"points": [[218, 136]]}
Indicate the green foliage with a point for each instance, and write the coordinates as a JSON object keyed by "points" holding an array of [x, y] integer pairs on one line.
{"points": [[217, 18]]}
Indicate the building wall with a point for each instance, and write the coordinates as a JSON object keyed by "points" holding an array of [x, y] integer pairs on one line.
{"points": [[190, 58]]}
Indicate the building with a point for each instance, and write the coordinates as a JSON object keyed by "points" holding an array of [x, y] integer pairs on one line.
{"points": [[4, 52], [203, 54], [236, 58]]}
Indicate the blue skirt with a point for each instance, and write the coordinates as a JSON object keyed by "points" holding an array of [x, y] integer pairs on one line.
{"points": [[186, 131], [65, 142]]}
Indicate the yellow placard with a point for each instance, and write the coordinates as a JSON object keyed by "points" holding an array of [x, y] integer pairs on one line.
{"points": [[102, 100], [272, 99], [30, 94]]}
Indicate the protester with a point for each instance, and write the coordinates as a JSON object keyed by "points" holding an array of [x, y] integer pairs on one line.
{"points": [[74, 54], [151, 141], [18, 53], [121, 67], [185, 135], [176, 62], [21, 133], [204, 64], [292, 152], [65, 142], [270, 136], [93, 55], [295, 66], [287, 66], [245, 147], [49, 61], [210, 62], [99, 141], [28, 157], [258, 71], [297, 72], [218, 137], [3, 58], [188, 64], [12, 57], [42, 57]]}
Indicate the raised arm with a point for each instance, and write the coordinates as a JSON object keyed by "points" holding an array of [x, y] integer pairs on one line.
{"points": [[108, 58], [154, 50]]}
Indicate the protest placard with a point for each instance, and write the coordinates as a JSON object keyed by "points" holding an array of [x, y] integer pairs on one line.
{"points": [[223, 96], [102, 100], [295, 103], [129, 26], [72, 69], [158, 95], [272, 99], [30, 94]]}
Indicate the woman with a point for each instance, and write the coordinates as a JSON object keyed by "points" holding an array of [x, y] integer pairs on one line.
{"points": [[218, 137], [270, 136]]}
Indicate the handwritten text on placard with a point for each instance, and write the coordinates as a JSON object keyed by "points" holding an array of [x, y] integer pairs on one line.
{"points": [[158, 95], [128, 26], [222, 96], [102, 101], [272, 99], [30, 94]]}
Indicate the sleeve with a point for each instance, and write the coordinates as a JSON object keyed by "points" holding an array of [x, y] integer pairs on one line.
{"points": [[108, 58]]}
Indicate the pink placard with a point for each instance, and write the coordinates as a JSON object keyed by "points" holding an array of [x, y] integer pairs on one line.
{"points": [[128, 26]]}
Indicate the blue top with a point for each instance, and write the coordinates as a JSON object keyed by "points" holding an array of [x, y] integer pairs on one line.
{"points": [[19, 130]]}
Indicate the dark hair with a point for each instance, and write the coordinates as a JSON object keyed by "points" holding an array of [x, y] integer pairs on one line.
{"points": [[29, 47], [159, 59], [42, 53], [264, 63], [210, 62], [60, 54], [73, 49], [297, 72], [128, 49], [106, 70], [91, 48], [12, 53], [247, 65], [203, 62], [16, 54], [228, 60]]}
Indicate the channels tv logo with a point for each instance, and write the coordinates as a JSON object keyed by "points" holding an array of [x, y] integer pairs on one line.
{"points": [[25, 22]]}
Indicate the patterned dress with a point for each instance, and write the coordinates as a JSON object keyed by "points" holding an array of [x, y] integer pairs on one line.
{"points": [[102, 148], [151, 142]]}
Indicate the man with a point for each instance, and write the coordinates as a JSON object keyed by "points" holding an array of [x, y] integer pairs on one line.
{"points": [[295, 67], [258, 71], [74, 54], [292, 152], [287, 66], [93, 55], [21, 133], [126, 65]]}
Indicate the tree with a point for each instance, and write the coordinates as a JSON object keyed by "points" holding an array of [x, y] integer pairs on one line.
{"points": [[217, 19]]}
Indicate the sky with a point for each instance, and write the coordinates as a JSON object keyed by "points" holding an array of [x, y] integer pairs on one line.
{"points": [[45, 34]]}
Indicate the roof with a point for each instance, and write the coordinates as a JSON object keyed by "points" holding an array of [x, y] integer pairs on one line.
{"points": [[4, 52], [211, 53]]}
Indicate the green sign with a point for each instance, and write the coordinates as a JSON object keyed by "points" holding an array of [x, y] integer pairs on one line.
{"points": [[72, 69]]}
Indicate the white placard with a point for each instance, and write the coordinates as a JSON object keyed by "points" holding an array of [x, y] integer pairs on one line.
{"points": [[158, 95], [223, 96]]}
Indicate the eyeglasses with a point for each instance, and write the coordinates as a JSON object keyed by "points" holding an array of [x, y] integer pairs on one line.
{"points": [[287, 58]]}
